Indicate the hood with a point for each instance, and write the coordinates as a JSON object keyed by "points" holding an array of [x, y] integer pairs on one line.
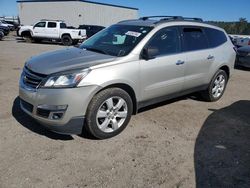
{"points": [[66, 59], [24, 27]]}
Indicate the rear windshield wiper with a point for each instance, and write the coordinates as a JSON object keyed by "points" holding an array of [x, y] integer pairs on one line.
{"points": [[97, 50]]}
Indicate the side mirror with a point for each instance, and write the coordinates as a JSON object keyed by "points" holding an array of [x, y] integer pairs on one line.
{"points": [[149, 53]]}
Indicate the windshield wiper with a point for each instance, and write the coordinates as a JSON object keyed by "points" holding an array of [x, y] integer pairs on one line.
{"points": [[96, 50]]}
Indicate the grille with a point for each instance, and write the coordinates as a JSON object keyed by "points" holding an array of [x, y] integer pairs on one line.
{"points": [[31, 78], [27, 106]]}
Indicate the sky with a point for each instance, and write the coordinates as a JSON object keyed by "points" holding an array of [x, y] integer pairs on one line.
{"points": [[209, 10]]}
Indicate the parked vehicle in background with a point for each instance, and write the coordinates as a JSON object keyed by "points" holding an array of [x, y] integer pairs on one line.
{"points": [[91, 29], [15, 24], [243, 42], [5, 29], [51, 30], [243, 57], [1, 34], [10, 26], [123, 68]]}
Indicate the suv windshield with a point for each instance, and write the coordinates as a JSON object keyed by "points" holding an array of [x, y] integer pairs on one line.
{"points": [[117, 40]]}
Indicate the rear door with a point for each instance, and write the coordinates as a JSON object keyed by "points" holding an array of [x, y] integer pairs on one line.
{"points": [[52, 30], [163, 75], [198, 56]]}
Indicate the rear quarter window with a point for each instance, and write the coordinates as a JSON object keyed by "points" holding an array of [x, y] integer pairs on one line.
{"points": [[63, 26], [215, 37]]}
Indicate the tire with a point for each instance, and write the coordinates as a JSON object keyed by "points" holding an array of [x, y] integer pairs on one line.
{"points": [[67, 40], [28, 38], [216, 87], [114, 107]]}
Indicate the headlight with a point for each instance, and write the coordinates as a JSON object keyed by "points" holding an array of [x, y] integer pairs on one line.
{"points": [[69, 79]]}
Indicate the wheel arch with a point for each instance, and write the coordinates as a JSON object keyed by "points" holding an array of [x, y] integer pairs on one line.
{"points": [[26, 32], [126, 88], [226, 69], [64, 34]]}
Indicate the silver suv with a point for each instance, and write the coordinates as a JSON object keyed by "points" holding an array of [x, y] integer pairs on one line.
{"points": [[123, 68]]}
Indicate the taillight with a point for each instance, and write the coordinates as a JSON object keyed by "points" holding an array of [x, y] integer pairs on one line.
{"points": [[249, 42]]}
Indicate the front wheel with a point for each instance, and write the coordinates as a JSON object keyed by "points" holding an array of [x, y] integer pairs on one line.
{"points": [[108, 113], [28, 38], [216, 87]]}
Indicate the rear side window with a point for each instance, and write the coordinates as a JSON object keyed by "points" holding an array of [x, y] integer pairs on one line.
{"points": [[194, 39], [63, 26], [215, 37], [51, 24], [166, 41]]}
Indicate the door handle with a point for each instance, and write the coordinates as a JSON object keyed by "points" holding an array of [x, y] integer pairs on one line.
{"points": [[210, 57], [179, 62]]}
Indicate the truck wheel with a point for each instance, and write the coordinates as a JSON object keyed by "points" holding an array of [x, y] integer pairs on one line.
{"points": [[66, 40], [28, 38], [216, 87], [108, 113]]}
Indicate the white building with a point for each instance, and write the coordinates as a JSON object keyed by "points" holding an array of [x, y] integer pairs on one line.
{"points": [[74, 12]]}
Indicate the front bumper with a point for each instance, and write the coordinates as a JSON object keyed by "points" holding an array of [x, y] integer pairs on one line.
{"points": [[76, 100]]}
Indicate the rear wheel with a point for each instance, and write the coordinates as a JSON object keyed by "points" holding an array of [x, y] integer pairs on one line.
{"points": [[108, 113], [66, 40], [216, 87]]}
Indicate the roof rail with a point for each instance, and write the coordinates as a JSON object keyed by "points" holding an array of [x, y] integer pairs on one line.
{"points": [[165, 17], [52, 20], [127, 20], [172, 18]]}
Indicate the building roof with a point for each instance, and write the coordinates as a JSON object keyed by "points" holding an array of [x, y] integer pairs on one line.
{"points": [[98, 3]]}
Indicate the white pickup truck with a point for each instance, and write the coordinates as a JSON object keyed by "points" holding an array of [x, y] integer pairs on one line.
{"points": [[54, 30]]}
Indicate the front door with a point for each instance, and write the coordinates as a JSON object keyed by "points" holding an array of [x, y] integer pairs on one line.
{"points": [[163, 75], [39, 29]]}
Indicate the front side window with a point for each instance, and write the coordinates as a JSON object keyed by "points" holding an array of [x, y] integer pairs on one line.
{"points": [[40, 24], [117, 40], [51, 24], [166, 41], [194, 39]]}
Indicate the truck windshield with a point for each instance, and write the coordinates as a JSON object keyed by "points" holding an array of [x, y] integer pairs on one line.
{"points": [[117, 40]]}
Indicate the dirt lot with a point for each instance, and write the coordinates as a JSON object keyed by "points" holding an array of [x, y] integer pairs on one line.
{"points": [[181, 143]]}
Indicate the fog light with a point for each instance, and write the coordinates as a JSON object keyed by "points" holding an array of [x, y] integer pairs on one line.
{"points": [[54, 112], [57, 115]]}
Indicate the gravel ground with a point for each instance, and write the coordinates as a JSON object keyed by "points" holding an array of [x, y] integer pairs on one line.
{"points": [[179, 143]]}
